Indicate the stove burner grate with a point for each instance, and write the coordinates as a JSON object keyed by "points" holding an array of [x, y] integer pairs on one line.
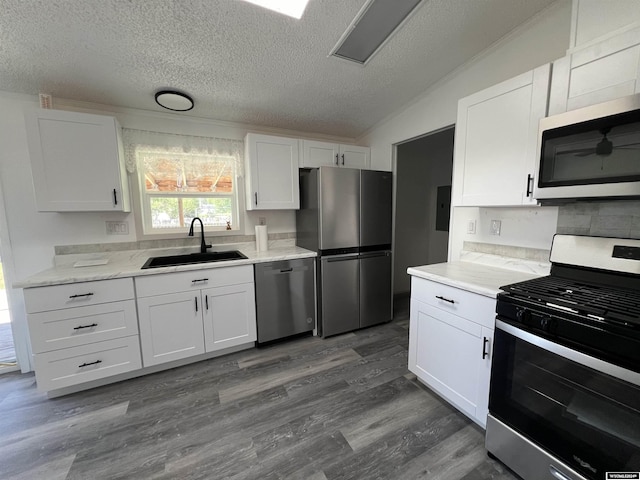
{"points": [[600, 302]]}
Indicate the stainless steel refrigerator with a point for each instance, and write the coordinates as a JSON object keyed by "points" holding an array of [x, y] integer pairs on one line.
{"points": [[345, 215]]}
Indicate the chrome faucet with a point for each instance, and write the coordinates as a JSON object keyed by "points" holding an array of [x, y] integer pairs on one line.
{"points": [[203, 245]]}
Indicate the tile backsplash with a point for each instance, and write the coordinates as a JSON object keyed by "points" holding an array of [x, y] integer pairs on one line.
{"points": [[169, 243], [619, 218]]}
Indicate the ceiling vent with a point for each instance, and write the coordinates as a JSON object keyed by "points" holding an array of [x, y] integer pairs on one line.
{"points": [[374, 24]]}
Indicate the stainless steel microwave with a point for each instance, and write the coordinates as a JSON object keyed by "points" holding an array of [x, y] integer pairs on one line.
{"points": [[591, 152]]}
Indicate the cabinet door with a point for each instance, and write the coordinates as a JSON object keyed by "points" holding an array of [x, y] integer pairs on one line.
{"points": [[272, 173], [496, 142], [77, 162], [320, 154], [170, 327], [229, 316], [596, 74], [353, 156], [445, 352]]}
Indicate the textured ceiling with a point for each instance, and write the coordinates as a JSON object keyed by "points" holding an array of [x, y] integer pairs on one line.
{"points": [[240, 62]]}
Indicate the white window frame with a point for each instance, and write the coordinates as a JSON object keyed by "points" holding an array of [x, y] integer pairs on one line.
{"points": [[142, 205]]}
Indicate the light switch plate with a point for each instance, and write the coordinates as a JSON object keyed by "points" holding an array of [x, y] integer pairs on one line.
{"points": [[471, 226], [495, 227]]}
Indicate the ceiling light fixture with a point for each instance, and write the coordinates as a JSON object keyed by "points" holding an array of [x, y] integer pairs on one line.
{"points": [[291, 8], [173, 100], [373, 26]]}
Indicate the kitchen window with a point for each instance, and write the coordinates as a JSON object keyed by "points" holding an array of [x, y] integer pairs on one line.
{"points": [[181, 177]]}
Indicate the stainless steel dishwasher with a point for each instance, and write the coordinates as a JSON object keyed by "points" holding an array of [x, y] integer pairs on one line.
{"points": [[285, 298]]}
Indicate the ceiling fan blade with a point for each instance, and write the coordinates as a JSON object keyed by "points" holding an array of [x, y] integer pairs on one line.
{"points": [[578, 152]]}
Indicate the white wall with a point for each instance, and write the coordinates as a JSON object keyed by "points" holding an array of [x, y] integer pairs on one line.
{"points": [[34, 234], [539, 41]]}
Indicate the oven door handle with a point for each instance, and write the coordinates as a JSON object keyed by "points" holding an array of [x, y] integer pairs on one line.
{"points": [[570, 354], [557, 473]]}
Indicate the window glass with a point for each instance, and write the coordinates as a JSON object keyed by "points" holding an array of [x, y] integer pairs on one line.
{"points": [[176, 187]]}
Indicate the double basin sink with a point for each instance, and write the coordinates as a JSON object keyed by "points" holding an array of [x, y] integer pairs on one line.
{"points": [[191, 258]]}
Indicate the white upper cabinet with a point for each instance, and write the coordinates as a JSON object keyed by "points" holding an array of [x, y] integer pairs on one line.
{"points": [[77, 162], [319, 154], [496, 142], [596, 73], [271, 172]]}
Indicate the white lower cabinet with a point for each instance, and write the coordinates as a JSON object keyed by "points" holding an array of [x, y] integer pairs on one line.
{"points": [[72, 366], [451, 353], [82, 331], [170, 327], [212, 310], [229, 316]]}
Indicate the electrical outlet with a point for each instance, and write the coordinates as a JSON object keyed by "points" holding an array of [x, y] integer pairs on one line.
{"points": [[471, 227], [262, 220], [495, 227], [117, 228]]}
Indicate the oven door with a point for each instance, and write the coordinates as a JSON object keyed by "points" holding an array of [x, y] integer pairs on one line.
{"points": [[581, 410]]}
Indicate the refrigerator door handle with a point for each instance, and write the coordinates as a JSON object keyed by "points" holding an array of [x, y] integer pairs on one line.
{"points": [[384, 253], [342, 258]]}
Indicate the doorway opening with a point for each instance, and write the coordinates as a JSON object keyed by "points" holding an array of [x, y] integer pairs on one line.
{"points": [[423, 168], [7, 348]]}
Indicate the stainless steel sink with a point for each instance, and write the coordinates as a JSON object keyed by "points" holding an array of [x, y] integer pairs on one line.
{"points": [[191, 258]]}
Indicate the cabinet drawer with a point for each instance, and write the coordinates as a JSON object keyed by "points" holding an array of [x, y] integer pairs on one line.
{"points": [[193, 280], [71, 366], [72, 327], [477, 308], [42, 299]]}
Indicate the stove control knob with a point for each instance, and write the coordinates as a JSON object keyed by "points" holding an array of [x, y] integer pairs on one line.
{"points": [[523, 315], [545, 323]]}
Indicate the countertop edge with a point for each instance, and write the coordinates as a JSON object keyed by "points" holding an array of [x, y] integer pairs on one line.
{"points": [[69, 274], [506, 276], [467, 286]]}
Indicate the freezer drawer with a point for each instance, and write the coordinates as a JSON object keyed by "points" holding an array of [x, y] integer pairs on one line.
{"points": [[339, 298], [375, 288], [285, 298]]}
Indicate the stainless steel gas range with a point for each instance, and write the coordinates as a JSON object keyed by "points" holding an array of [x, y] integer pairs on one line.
{"points": [[565, 383]]}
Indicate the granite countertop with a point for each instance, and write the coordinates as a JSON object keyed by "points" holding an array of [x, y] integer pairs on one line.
{"points": [[474, 277], [128, 263]]}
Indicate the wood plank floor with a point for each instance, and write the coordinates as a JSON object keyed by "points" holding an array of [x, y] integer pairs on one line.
{"points": [[7, 352], [319, 409]]}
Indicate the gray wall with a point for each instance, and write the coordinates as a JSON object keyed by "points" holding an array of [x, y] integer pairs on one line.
{"points": [[620, 218], [422, 166]]}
